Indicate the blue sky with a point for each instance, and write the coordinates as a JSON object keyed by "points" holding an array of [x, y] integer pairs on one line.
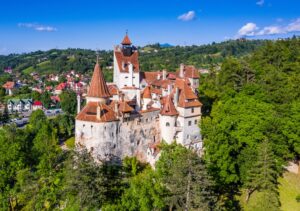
{"points": [[29, 25]]}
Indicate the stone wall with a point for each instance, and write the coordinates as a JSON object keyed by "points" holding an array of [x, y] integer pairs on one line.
{"points": [[119, 139]]}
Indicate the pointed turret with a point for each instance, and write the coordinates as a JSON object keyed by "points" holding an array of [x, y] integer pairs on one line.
{"points": [[98, 87], [147, 93], [169, 108], [126, 40]]}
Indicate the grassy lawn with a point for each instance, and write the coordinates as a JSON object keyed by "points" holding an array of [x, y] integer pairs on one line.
{"points": [[289, 188]]}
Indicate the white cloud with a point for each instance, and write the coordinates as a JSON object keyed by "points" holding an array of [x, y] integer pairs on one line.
{"points": [[38, 27], [294, 26], [271, 30], [260, 2], [251, 29], [248, 30], [190, 15]]}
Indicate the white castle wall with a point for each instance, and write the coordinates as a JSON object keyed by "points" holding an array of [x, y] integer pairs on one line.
{"points": [[119, 139], [167, 127]]}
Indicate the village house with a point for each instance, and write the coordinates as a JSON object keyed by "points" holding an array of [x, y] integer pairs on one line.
{"points": [[19, 105], [37, 105], [9, 86]]}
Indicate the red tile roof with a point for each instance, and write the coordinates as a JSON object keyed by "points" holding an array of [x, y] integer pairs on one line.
{"points": [[122, 106], [98, 87], [126, 40], [61, 86], [89, 113], [37, 103], [169, 108], [189, 71], [161, 83], [113, 89], [150, 76], [55, 98], [147, 93], [9, 85], [123, 61]]}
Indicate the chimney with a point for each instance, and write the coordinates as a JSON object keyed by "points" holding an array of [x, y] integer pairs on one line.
{"points": [[164, 74], [98, 112], [158, 76], [176, 97], [116, 108], [138, 99], [169, 89], [181, 71], [78, 103]]}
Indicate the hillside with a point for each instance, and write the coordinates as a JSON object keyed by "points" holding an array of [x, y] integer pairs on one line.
{"points": [[152, 57]]}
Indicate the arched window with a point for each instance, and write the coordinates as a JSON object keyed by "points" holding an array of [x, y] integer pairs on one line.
{"points": [[168, 124]]}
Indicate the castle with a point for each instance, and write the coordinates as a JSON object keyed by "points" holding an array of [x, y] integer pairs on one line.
{"points": [[132, 115]]}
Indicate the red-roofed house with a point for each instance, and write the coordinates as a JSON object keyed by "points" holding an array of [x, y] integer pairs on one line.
{"points": [[9, 86], [37, 105]]}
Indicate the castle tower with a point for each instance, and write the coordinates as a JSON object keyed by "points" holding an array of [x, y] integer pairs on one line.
{"points": [[126, 67], [167, 120], [146, 97], [98, 91]]}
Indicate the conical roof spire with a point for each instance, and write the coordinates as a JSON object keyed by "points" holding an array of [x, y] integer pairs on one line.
{"points": [[169, 108], [126, 40], [98, 87]]}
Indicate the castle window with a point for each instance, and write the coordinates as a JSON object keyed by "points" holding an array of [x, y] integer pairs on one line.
{"points": [[126, 77], [168, 124], [196, 121], [190, 123], [192, 110], [83, 125]]}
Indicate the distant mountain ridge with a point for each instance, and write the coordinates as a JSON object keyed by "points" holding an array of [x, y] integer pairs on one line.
{"points": [[152, 57]]}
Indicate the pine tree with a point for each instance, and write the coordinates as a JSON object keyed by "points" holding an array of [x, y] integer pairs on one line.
{"points": [[262, 177], [184, 174]]}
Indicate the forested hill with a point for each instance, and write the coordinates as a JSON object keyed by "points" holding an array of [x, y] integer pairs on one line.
{"points": [[152, 57]]}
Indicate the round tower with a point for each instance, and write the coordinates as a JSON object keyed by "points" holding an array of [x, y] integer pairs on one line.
{"points": [[98, 90], [167, 120]]}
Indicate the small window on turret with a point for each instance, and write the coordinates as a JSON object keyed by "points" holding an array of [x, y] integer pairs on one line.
{"points": [[192, 110], [168, 124], [196, 121], [190, 123]]}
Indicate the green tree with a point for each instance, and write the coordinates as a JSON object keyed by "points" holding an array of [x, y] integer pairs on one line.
{"points": [[68, 101], [145, 192], [46, 99], [36, 95], [262, 177], [36, 120], [184, 175]]}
